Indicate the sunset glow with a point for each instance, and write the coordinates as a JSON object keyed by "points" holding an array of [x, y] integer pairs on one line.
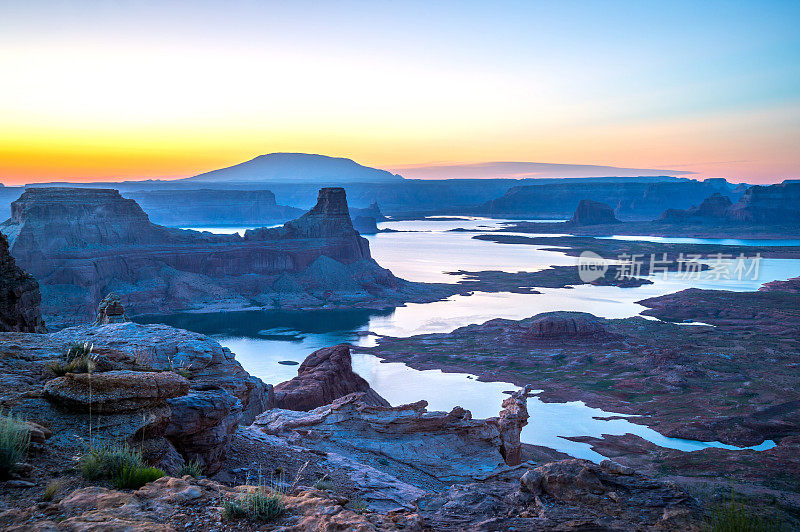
{"points": [[163, 90]]}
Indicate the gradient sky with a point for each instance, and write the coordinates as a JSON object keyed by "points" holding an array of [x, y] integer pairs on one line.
{"points": [[157, 89]]}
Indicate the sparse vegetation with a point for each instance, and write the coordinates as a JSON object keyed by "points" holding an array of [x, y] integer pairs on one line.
{"points": [[136, 476], [192, 468], [262, 504], [119, 463], [358, 505], [735, 516], [53, 487], [324, 484], [14, 441], [78, 359]]}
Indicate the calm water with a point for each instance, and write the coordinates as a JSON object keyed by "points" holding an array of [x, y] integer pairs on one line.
{"points": [[425, 253]]}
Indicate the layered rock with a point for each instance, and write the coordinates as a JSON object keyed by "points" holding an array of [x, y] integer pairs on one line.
{"points": [[178, 394], [513, 418], [714, 207], [84, 243], [324, 376], [110, 310], [407, 434], [772, 204], [19, 296], [593, 213], [211, 207], [565, 325]]}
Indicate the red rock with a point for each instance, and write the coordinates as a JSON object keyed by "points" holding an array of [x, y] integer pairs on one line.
{"points": [[324, 376]]}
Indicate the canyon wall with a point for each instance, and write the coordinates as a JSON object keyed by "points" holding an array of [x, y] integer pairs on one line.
{"points": [[82, 244], [19, 296]]}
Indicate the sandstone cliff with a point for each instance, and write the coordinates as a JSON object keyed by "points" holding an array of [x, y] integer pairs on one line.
{"points": [[82, 244], [19, 296], [592, 213]]}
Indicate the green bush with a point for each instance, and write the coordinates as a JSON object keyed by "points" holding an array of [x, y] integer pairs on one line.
{"points": [[14, 440], [134, 477], [108, 461], [259, 505], [193, 468]]}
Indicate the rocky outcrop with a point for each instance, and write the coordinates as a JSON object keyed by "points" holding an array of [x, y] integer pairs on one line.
{"points": [[593, 213], [115, 391], [564, 495], [633, 199], [169, 504], [513, 418], [19, 296], [82, 244], [790, 285], [324, 376], [565, 325], [407, 434], [714, 207], [771, 204], [178, 394], [110, 310]]}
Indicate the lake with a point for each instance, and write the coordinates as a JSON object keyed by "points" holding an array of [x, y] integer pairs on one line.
{"points": [[424, 250]]}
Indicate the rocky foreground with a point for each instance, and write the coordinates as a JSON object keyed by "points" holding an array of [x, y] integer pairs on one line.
{"points": [[352, 463]]}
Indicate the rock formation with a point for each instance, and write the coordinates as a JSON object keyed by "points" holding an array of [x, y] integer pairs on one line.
{"points": [[564, 325], [82, 244], [178, 394], [324, 376], [513, 418], [212, 207], [714, 207], [19, 296], [771, 204], [110, 310], [407, 434], [593, 213]]}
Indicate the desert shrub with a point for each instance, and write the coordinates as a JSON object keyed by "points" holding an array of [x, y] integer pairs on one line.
{"points": [[136, 476], [14, 440], [324, 484], [50, 491], [358, 505], [78, 359], [192, 468], [260, 505], [108, 461], [734, 516]]}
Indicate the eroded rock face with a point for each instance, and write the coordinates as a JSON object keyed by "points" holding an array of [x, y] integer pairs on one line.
{"points": [[179, 392], [324, 376], [407, 434], [110, 310], [19, 295], [772, 204], [593, 213], [714, 207], [82, 244], [115, 391], [513, 418], [562, 324]]}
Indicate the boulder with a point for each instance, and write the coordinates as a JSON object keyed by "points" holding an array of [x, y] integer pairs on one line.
{"points": [[324, 376], [593, 213], [115, 391]]}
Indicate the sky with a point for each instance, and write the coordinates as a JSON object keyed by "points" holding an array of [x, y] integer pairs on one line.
{"points": [[106, 90]]}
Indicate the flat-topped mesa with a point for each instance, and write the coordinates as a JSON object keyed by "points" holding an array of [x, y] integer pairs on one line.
{"points": [[591, 212], [81, 244], [714, 207]]}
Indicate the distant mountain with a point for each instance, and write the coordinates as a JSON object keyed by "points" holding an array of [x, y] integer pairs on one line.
{"points": [[526, 170], [298, 168]]}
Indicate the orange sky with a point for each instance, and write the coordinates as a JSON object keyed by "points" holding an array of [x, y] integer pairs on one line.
{"points": [[152, 90]]}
